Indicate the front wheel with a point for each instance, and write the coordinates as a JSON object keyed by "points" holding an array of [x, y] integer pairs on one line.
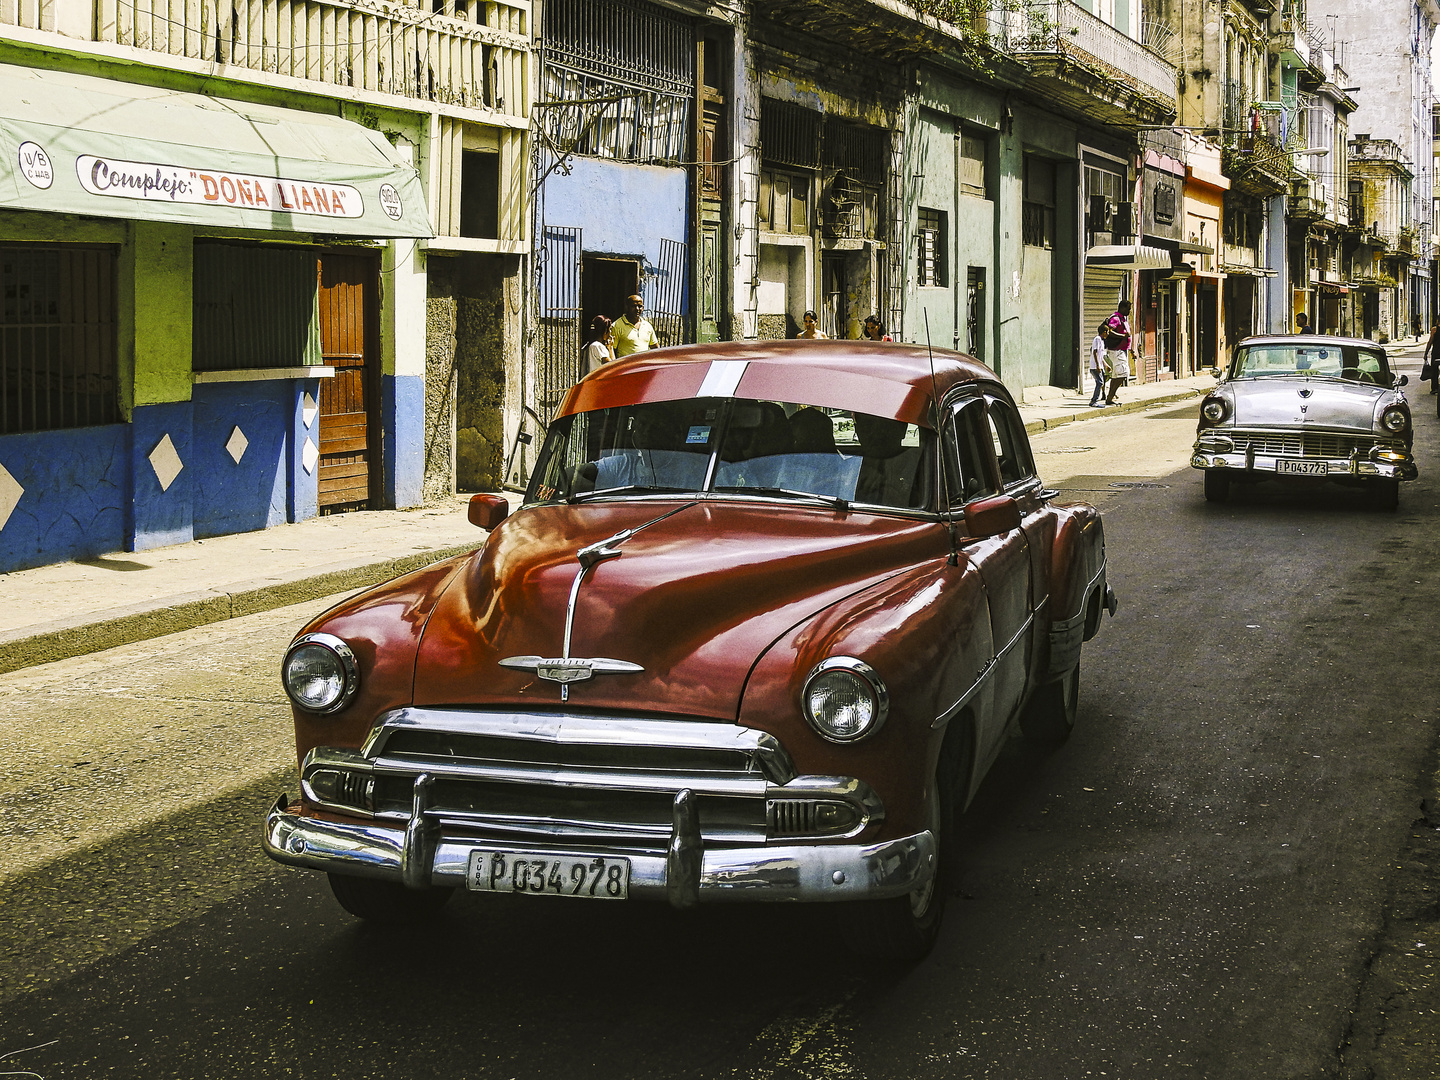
{"points": [[1217, 486], [904, 928], [1049, 715], [387, 902]]}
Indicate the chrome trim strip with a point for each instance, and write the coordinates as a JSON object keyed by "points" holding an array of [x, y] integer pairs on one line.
{"points": [[582, 730], [946, 715], [809, 872]]}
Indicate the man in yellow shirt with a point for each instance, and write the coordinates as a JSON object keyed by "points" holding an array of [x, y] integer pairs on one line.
{"points": [[632, 332]]}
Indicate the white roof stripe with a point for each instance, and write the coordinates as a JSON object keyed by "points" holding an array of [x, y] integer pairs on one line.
{"points": [[722, 378]]}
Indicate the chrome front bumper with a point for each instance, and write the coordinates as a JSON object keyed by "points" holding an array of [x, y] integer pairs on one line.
{"points": [[1393, 468], [691, 872]]}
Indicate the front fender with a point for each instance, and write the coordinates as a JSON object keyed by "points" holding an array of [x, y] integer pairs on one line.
{"points": [[926, 633]]}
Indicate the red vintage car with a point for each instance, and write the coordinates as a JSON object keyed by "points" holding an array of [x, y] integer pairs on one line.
{"points": [[755, 634]]}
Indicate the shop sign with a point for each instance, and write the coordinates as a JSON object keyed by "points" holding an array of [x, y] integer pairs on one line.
{"points": [[115, 178]]}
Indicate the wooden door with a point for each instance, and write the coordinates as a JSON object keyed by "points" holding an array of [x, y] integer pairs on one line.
{"points": [[348, 402]]}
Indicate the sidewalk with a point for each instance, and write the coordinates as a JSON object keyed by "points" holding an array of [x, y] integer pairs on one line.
{"points": [[75, 608]]}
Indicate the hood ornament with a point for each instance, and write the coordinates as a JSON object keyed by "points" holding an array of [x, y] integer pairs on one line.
{"points": [[1306, 392]]}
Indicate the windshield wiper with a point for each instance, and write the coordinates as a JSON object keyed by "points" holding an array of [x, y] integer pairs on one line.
{"points": [[581, 496], [828, 500]]}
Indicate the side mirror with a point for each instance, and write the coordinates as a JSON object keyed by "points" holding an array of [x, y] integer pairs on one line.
{"points": [[488, 511], [992, 516], [1404, 381]]}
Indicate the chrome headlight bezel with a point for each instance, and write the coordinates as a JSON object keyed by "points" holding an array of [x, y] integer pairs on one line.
{"points": [[345, 674], [1394, 420], [1214, 410], [848, 673]]}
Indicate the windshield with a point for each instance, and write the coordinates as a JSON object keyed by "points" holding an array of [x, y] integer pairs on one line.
{"points": [[735, 445], [1312, 357]]}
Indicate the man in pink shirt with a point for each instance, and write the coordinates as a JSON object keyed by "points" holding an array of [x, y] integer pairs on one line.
{"points": [[1118, 348]]}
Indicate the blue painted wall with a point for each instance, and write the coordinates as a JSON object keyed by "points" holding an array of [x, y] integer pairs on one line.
{"points": [[403, 419], [241, 496], [623, 209], [304, 494], [161, 516], [75, 489]]}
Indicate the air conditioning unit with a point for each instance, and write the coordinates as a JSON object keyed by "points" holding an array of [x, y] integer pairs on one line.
{"points": [[1122, 222], [1101, 211]]}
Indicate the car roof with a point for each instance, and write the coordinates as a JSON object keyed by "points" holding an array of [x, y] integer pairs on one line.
{"points": [[881, 378], [1310, 339]]}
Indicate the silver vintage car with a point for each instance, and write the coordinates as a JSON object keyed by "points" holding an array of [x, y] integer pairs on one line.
{"points": [[1307, 407]]}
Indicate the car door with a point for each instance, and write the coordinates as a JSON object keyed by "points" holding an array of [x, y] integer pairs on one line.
{"points": [[1039, 521], [1002, 561]]}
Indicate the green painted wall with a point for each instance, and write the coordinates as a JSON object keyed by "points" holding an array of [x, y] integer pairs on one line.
{"points": [[156, 273]]}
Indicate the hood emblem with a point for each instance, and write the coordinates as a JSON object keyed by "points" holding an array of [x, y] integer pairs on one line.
{"points": [[570, 669], [1306, 392]]}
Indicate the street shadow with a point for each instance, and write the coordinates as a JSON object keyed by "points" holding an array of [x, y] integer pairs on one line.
{"points": [[104, 562]]}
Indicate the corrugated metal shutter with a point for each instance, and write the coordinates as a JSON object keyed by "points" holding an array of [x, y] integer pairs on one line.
{"points": [[1102, 294]]}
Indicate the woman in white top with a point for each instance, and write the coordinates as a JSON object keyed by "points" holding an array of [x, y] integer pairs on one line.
{"points": [[598, 348], [1098, 366]]}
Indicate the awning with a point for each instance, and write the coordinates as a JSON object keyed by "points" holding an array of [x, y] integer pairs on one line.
{"points": [[1128, 257], [77, 144]]}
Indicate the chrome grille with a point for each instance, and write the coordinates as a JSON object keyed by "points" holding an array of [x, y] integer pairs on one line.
{"points": [[576, 779], [1316, 444]]}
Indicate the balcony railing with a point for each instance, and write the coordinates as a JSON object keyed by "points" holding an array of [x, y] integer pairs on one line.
{"points": [[1063, 28], [468, 56]]}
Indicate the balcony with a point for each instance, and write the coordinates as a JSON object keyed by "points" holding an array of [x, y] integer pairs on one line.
{"points": [[1405, 240], [1085, 63], [472, 57], [1305, 208]]}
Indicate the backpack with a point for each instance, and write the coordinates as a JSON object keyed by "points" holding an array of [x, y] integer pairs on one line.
{"points": [[1113, 340]]}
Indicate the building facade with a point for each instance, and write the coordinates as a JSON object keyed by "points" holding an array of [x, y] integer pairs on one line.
{"points": [[231, 256]]}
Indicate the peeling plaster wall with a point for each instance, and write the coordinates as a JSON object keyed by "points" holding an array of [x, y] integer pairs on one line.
{"points": [[472, 348], [440, 354]]}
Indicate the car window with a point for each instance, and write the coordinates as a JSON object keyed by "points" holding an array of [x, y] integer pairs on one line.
{"points": [[967, 457], [1312, 357], [1011, 444], [736, 446]]}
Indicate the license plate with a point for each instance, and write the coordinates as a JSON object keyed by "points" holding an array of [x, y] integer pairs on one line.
{"points": [[1301, 468], [541, 874]]}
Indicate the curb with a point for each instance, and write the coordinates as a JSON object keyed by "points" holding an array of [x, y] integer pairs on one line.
{"points": [[1035, 427], [66, 638]]}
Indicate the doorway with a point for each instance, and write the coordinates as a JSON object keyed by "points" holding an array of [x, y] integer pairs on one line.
{"points": [[835, 312], [349, 420], [606, 281]]}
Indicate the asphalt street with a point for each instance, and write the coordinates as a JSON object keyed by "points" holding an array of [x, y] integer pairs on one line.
{"points": [[1225, 873]]}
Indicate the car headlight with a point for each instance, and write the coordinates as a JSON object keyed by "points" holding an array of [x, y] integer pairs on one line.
{"points": [[1394, 419], [320, 673], [845, 699], [1213, 410]]}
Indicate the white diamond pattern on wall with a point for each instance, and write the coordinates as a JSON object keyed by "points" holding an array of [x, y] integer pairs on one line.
{"points": [[309, 456], [10, 492], [236, 444], [166, 463], [308, 409]]}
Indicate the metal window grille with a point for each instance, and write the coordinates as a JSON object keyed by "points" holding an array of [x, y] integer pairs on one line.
{"points": [[619, 80], [254, 307], [58, 337], [558, 291], [669, 314], [859, 150], [789, 135], [930, 248]]}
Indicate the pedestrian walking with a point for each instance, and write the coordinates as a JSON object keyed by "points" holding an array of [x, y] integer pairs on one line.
{"points": [[812, 329], [1098, 365], [1430, 360], [1302, 323], [599, 349], [632, 331], [874, 329], [1118, 349]]}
